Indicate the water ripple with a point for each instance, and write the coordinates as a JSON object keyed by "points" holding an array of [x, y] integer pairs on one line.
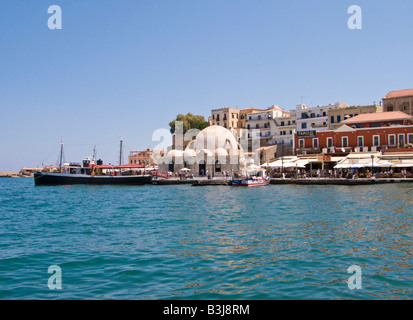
{"points": [[179, 242]]}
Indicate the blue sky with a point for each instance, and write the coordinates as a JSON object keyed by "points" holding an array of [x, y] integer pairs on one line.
{"points": [[128, 67]]}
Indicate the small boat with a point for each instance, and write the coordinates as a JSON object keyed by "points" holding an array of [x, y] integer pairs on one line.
{"points": [[253, 177], [251, 181]]}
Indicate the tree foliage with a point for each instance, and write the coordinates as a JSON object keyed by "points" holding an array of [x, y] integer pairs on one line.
{"points": [[189, 121]]}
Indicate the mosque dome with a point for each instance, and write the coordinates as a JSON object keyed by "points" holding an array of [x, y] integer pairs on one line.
{"points": [[214, 138]]}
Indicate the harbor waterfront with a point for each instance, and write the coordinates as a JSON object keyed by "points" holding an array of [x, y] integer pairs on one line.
{"points": [[215, 242]]}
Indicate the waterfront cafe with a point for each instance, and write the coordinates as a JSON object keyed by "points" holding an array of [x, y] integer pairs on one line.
{"points": [[307, 162], [377, 162]]}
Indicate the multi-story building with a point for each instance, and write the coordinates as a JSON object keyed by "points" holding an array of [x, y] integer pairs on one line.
{"points": [[283, 129], [401, 100], [365, 132], [314, 118], [143, 157], [341, 113], [258, 123], [243, 115], [225, 117]]}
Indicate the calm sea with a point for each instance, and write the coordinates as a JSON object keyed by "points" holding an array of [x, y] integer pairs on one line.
{"points": [[183, 242]]}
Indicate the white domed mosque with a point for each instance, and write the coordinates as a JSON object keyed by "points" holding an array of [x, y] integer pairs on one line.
{"points": [[214, 149]]}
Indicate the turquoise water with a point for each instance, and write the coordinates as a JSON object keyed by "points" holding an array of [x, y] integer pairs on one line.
{"points": [[183, 242]]}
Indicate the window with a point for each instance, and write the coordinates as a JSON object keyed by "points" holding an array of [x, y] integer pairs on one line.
{"points": [[392, 140], [248, 126], [304, 125], [217, 117], [301, 143], [338, 119], [410, 138], [329, 142], [282, 123], [344, 142], [401, 140], [233, 115], [315, 143], [332, 119], [376, 141], [360, 141], [257, 126]]}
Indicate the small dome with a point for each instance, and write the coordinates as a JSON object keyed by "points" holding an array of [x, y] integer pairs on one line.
{"points": [[220, 152], [205, 151], [188, 153], [175, 153]]}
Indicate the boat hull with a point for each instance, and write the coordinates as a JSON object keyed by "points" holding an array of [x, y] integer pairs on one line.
{"points": [[54, 179], [250, 182]]}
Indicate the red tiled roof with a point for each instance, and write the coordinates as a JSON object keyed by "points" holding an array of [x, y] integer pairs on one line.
{"points": [[400, 93], [252, 108], [274, 107], [379, 116]]}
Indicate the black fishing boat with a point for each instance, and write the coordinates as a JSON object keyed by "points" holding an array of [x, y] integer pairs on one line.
{"points": [[93, 172], [53, 179]]}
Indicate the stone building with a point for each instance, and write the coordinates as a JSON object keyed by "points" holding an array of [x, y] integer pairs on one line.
{"points": [[401, 100]]}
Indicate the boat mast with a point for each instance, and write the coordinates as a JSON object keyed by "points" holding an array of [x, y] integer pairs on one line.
{"points": [[120, 153], [61, 156], [94, 154]]}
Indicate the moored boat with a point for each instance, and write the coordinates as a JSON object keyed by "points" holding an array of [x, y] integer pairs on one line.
{"points": [[93, 173], [51, 179], [250, 182], [253, 177]]}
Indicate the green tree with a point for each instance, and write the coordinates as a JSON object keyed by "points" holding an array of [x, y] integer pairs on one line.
{"points": [[189, 121]]}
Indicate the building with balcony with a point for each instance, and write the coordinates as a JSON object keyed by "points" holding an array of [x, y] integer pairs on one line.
{"points": [[401, 100], [283, 129], [259, 123], [363, 133], [225, 117], [315, 118]]}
